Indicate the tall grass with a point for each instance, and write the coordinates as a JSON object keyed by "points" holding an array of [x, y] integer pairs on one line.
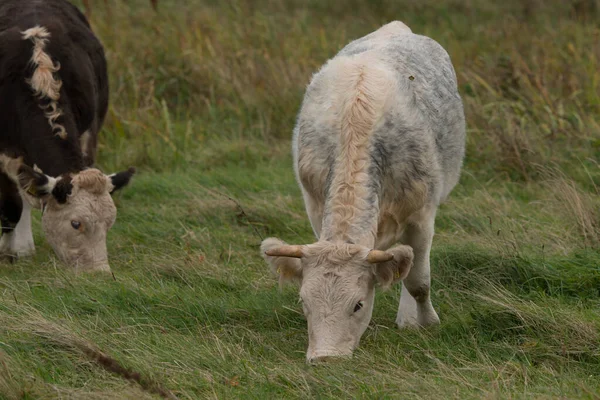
{"points": [[528, 73]]}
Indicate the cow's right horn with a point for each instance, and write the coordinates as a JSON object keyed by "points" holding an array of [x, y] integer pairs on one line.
{"points": [[285, 251], [377, 256]]}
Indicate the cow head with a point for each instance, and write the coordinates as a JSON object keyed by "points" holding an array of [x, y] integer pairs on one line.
{"points": [[77, 212], [337, 283]]}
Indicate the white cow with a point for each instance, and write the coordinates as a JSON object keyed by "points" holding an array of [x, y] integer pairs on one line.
{"points": [[378, 145]]}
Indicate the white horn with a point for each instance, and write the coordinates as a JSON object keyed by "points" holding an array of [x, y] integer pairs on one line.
{"points": [[285, 251], [377, 256]]}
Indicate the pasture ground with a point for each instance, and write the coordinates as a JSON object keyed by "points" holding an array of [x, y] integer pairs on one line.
{"points": [[204, 97]]}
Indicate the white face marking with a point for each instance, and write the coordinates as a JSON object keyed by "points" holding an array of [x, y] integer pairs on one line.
{"points": [[77, 229]]}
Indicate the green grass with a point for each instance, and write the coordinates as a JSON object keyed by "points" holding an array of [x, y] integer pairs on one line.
{"points": [[204, 97]]}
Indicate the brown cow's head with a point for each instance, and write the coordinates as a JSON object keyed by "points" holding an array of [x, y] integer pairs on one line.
{"points": [[77, 212]]}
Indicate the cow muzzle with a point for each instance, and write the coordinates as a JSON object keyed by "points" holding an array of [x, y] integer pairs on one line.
{"points": [[322, 356]]}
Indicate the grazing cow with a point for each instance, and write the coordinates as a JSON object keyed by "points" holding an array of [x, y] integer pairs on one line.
{"points": [[53, 100], [378, 145]]}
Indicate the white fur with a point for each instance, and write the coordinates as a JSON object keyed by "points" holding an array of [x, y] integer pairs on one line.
{"points": [[418, 312], [19, 242], [43, 82], [23, 245], [407, 309]]}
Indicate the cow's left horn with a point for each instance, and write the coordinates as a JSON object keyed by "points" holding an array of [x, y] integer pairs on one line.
{"points": [[377, 256], [285, 251]]}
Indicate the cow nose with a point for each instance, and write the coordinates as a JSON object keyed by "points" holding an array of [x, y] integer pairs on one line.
{"points": [[319, 357]]}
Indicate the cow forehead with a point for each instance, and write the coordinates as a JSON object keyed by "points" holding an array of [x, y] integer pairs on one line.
{"points": [[85, 204], [334, 253], [91, 180], [98, 203], [334, 282], [334, 265], [325, 269]]}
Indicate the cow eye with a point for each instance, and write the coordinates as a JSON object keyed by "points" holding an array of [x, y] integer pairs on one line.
{"points": [[358, 306], [76, 224]]}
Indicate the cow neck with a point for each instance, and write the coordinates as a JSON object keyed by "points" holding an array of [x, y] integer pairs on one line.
{"points": [[352, 222]]}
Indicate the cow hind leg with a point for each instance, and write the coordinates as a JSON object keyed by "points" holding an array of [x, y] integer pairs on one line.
{"points": [[15, 216], [415, 307]]}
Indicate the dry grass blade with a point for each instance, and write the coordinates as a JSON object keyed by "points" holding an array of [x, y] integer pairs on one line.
{"points": [[32, 322], [556, 323], [575, 205], [9, 387]]}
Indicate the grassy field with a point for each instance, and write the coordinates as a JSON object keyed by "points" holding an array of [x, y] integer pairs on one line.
{"points": [[204, 97]]}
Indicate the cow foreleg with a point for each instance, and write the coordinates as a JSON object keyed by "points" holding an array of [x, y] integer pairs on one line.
{"points": [[415, 307], [19, 242], [15, 214]]}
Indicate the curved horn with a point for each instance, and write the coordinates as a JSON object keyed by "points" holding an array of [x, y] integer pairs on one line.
{"points": [[377, 256], [285, 251]]}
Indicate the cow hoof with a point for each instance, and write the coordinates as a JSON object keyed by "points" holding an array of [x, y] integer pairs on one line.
{"points": [[25, 252], [11, 249], [412, 321], [13, 258], [7, 258], [429, 320], [407, 323]]}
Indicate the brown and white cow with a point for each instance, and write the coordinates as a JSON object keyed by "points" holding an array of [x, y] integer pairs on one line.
{"points": [[53, 100], [378, 145]]}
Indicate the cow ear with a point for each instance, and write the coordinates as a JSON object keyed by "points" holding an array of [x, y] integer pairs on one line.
{"points": [[288, 267], [34, 182], [120, 179], [396, 269]]}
